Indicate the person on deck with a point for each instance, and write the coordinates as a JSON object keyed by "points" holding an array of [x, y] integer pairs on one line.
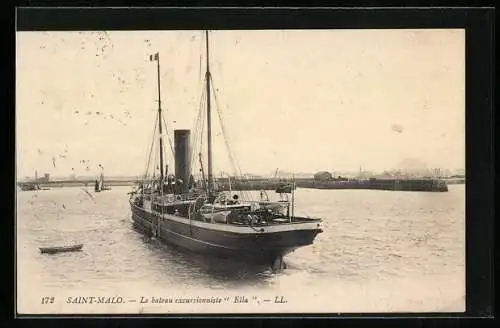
{"points": [[169, 183], [178, 186], [191, 182]]}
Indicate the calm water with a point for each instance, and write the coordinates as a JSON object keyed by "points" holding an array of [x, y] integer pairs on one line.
{"points": [[380, 251]]}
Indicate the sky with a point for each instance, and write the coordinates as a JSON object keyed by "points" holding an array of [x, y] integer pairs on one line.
{"points": [[297, 100]]}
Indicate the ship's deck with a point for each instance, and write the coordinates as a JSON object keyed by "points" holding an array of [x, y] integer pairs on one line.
{"points": [[243, 214]]}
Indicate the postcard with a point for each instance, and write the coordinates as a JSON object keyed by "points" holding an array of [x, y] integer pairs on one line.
{"points": [[240, 171]]}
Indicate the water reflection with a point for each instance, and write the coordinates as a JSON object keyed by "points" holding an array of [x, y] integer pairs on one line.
{"points": [[220, 271]]}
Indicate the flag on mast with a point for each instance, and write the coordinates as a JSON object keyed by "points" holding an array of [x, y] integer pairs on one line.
{"points": [[154, 57]]}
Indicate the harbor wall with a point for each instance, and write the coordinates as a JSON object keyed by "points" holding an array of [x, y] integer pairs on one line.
{"points": [[80, 183], [432, 185], [271, 184]]}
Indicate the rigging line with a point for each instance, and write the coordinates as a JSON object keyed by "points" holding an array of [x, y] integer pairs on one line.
{"points": [[201, 110], [198, 129], [196, 149], [154, 162], [236, 168], [199, 142], [232, 158], [201, 58], [219, 112], [203, 119], [151, 148], [196, 124], [166, 160], [198, 113], [202, 132], [192, 148], [168, 136]]}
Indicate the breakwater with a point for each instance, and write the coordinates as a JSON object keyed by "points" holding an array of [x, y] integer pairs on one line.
{"points": [[430, 185], [76, 183]]}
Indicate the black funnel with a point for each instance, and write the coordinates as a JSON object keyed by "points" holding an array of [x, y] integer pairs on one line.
{"points": [[182, 157]]}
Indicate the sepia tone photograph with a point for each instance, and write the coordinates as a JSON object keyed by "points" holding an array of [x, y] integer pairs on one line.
{"points": [[232, 171]]}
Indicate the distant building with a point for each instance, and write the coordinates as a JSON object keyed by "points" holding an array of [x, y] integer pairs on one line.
{"points": [[323, 175], [436, 172]]}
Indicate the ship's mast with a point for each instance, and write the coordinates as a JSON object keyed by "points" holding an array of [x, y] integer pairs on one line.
{"points": [[209, 123], [157, 58]]}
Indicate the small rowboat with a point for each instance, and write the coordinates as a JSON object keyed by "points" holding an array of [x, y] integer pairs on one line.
{"points": [[61, 249]]}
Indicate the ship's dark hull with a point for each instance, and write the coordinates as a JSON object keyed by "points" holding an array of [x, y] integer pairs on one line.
{"points": [[261, 248]]}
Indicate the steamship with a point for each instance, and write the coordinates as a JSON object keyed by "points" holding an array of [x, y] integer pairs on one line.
{"points": [[198, 217]]}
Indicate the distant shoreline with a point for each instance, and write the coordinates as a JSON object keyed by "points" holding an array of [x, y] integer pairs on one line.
{"points": [[250, 184], [68, 183]]}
